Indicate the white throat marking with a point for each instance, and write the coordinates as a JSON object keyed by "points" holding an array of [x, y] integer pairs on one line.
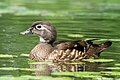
{"points": [[42, 40]]}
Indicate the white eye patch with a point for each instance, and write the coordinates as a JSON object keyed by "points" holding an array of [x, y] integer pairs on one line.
{"points": [[41, 27]]}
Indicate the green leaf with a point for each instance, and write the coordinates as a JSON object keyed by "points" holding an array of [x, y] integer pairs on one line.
{"points": [[8, 68], [75, 35], [33, 62], [98, 60], [25, 69], [7, 56], [28, 77], [77, 74], [26, 55], [109, 73], [113, 68], [117, 64]]}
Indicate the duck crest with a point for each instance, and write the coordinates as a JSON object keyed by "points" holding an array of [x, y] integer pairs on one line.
{"points": [[49, 50]]}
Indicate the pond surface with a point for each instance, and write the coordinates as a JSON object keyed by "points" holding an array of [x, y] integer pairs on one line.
{"points": [[74, 20]]}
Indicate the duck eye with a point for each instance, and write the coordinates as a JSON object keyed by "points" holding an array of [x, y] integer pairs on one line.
{"points": [[38, 27]]}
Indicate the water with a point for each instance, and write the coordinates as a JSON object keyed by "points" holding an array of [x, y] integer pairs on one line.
{"points": [[74, 20]]}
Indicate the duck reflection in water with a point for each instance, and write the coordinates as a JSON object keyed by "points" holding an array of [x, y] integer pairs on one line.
{"points": [[47, 69]]}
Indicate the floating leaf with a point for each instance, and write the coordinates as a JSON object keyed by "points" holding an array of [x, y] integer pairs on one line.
{"points": [[103, 39], [7, 60], [113, 68], [98, 60], [7, 56], [28, 77], [63, 74], [9, 68], [109, 39], [74, 63], [117, 64], [25, 69], [46, 77], [26, 55], [88, 74], [33, 62], [108, 73], [32, 69], [75, 35], [77, 74]]}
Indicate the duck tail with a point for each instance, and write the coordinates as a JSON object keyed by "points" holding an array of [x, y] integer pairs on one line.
{"points": [[103, 47], [95, 49], [106, 44]]}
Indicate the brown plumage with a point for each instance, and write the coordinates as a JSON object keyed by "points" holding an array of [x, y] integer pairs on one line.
{"points": [[49, 50]]}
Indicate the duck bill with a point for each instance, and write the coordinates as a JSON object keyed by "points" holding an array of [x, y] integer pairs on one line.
{"points": [[28, 31]]}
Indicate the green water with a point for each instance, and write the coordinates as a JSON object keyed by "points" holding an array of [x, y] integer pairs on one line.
{"points": [[74, 20]]}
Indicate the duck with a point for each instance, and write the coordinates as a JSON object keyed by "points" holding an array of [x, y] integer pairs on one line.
{"points": [[48, 49]]}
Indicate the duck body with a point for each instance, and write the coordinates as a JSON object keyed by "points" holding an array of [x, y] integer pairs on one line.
{"points": [[48, 50]]}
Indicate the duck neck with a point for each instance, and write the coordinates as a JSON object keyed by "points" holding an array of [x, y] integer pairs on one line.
{"points": [[42, 40]]}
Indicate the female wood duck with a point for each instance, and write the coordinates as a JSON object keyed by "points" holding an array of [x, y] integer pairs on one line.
{"points": [[48, 50]]}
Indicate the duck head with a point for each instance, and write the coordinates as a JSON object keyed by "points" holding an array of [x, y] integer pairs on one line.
{"points": [[44, 30]]}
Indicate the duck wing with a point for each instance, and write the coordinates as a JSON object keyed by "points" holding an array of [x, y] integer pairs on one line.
{"points": [[77, 50], [72, 50]]}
